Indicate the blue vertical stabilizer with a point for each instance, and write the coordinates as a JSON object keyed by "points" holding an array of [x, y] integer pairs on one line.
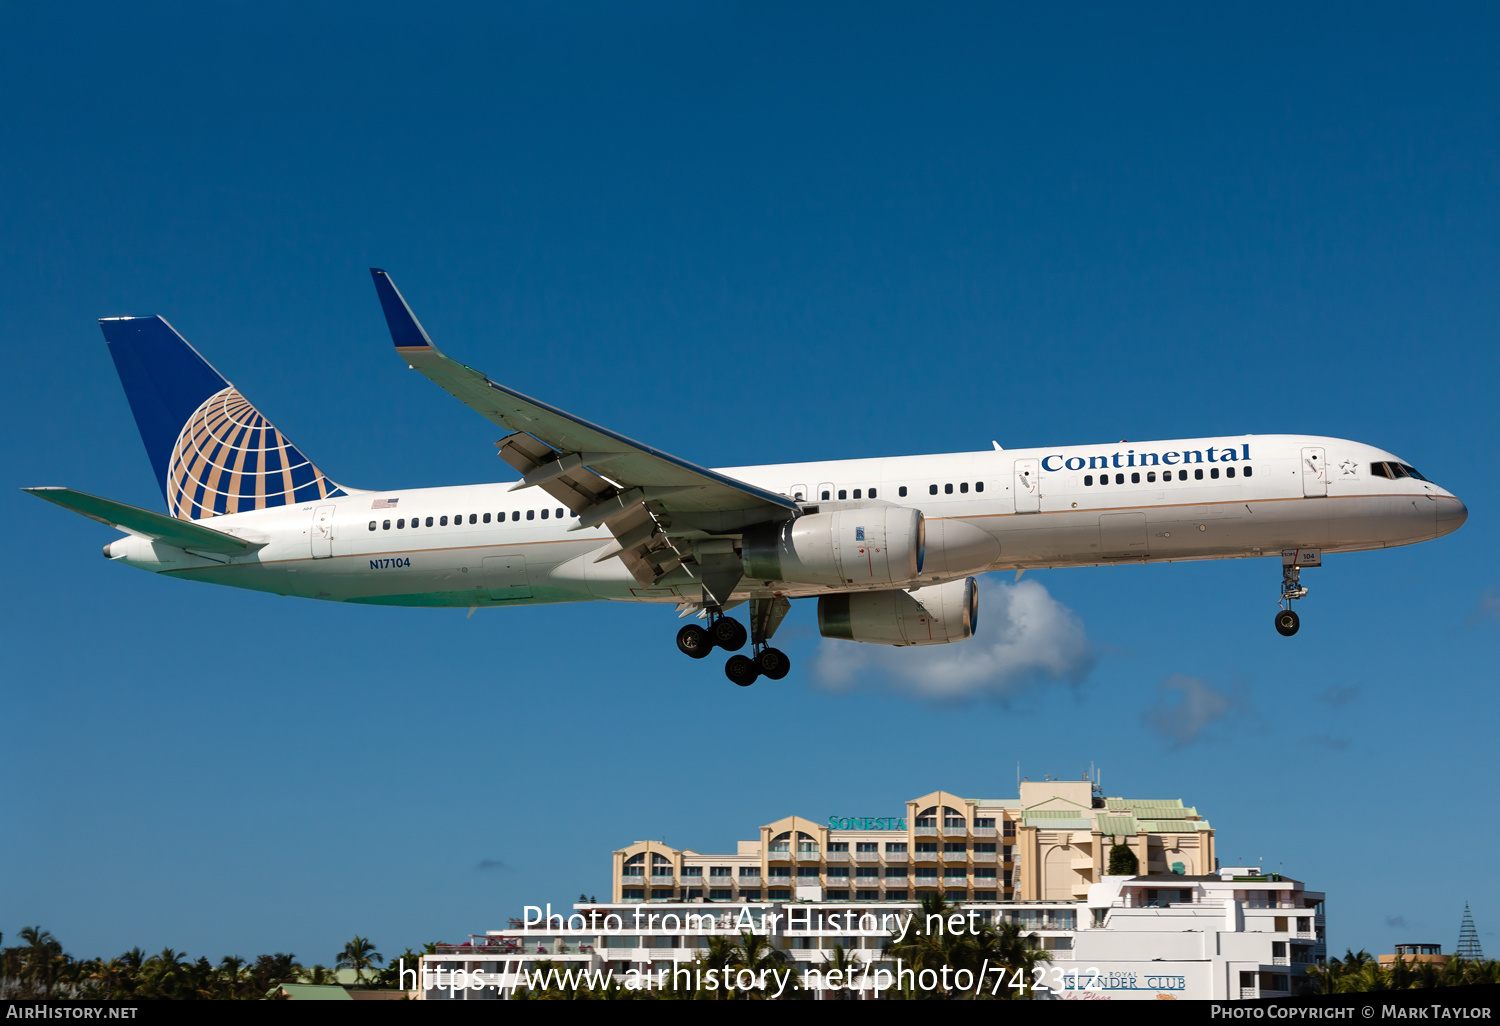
{"points": [[212, 451]]}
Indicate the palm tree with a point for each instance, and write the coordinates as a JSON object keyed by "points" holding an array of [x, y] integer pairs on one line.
{"points": [[838, 960], [359, 955], [722, 953], [756, 954]]}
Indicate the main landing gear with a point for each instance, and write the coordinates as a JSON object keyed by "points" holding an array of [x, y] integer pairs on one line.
{"points": [[1292, 562], [727, 633]]}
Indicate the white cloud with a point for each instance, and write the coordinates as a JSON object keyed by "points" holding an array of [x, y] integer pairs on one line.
{"points": [[1487, 609], [1025, 637], [1198, 706]]}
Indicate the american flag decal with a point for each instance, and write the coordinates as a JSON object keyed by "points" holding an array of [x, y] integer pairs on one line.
{"points": [[384, 503]]}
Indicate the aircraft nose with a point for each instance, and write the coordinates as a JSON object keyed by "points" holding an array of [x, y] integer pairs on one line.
{"points": [[1451, 514]]}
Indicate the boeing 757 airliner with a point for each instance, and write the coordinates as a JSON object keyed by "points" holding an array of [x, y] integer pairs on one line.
{"points": [[888, 547]]}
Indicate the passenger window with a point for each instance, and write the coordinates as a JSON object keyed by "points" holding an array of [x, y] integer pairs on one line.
{"points": [[872, 493], [544, 514], [1214, 473], [1182, 475], [1198, 474], [1104, 479], [429, 521], [1228, 471], [515, 514], [947, 489], [964, 487], [400, 524], [385, 525], [1119, 479], [531, 514], [1135, 478], [856, 493], [443, 522], [843, 494], [1247, 471], [474, 518], [826, 495], [1150, 476], [559, 514], [901, 491], [372, 525], [932, 489], [1088, 480], [486, 518], [979, 486]]}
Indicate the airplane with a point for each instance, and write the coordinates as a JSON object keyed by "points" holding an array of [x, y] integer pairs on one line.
{"points": [[889, 547]]}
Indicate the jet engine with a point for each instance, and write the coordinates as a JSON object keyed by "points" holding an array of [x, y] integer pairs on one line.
{"points": [[876, 545], [934, 615]]}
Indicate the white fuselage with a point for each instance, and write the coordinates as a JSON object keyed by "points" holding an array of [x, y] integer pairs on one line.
{"points": [[992, 510]]}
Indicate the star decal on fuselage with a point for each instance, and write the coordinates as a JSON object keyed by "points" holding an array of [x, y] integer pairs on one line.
{"points": [[1348, 466]]}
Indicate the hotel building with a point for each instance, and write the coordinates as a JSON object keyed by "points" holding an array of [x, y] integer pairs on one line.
{"points": [[1180, 927], [1050, 843]]}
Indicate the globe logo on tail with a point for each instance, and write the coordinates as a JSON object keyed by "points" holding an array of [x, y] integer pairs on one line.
{"points": [[229, 459]]}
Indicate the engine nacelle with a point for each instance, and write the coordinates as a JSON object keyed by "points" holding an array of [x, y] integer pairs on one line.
{"points": [[875, 545], [934, 615]]}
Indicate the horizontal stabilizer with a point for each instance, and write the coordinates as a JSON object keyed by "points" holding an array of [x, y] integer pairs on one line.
{"points": [[184, 534]]}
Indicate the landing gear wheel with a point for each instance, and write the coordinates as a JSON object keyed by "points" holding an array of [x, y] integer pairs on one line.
{"points": [[728, 634], [694, 641], [773, 663], [741, 670], [1286, 623]]}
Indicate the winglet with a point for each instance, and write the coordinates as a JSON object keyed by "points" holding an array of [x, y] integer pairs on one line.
{"points": [[406, 330]]}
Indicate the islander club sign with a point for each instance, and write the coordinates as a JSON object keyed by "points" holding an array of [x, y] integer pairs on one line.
{"points": [[866, 823]]}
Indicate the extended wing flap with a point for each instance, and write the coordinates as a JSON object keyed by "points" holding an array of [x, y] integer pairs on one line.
{"points": [[184, 534]]}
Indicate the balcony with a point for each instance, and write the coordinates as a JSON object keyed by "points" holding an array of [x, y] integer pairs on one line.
{"points": [[924, 856], [666, 877], [956, 831], [983, 831], [925, 831], [1280, 960], [870, 856], [779, 856], [984, 856], [897, 857], [836, 856]]}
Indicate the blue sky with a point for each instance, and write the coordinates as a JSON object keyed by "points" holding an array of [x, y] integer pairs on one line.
{"points": [[744, 234]]}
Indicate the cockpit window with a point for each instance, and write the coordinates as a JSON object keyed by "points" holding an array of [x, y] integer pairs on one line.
{"points": [[1394, 471]]}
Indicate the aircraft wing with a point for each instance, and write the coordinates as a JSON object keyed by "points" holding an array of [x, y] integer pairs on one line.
{"points": [[143, 523], [662, 510]]}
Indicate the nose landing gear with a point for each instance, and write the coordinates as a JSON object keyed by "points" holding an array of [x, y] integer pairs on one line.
{"points": [[1292, 562]]}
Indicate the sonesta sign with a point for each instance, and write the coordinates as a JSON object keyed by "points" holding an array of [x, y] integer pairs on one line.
{"points": [[1146, 459], [866, 823]]}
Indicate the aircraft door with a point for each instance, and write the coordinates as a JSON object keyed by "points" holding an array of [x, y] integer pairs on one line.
{"points": [[1027, 487], [322, 532], [1314, 472]]}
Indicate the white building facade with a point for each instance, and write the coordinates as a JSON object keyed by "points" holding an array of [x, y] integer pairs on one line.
{"points": [[1233, 935]]}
